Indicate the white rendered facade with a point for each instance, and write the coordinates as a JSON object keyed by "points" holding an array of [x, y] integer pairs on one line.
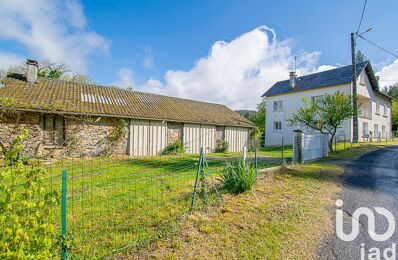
{"points": [[372, 121]]}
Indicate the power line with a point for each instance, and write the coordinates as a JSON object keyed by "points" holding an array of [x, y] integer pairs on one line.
{"points": [[378, 46], [363, 11]]}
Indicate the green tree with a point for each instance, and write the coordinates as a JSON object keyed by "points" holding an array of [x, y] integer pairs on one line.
{"points": [[325, 115], [258, 119], [50, 69], [394, 115], [392, 91], [360, 57]]}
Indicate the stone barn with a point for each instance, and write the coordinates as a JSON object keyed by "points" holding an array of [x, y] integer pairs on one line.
{"points": [[65, 117]]}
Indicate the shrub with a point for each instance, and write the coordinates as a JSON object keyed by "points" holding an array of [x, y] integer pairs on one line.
{"points": [[238, 176], [25, 230], [222, 146], [175, 148]]}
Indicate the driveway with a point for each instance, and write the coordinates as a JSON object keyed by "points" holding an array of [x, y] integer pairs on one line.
{"points": [[370, 181]]}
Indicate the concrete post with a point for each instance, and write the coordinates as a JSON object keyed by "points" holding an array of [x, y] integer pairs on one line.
{"points": [[325, 145], [298, 146]]}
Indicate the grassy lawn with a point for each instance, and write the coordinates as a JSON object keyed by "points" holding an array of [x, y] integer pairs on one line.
{"points": [[120, 207], [284, 217], [118, 204]]}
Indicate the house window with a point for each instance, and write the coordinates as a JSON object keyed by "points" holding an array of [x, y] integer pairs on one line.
{"points": [[53, 130], [376, 131], [317, 99], [278, 125], [365, 129], [377, 107], [277, 106], [383, 131], [385, 110]]}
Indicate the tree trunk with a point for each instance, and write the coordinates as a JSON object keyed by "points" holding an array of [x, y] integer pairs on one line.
{"points": [[330, 144]]}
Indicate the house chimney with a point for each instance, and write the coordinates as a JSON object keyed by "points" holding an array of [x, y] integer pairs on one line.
{"points": [[293, 82], [31, 72]]}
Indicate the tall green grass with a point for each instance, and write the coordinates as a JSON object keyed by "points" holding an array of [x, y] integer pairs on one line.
{"points": [[238, 176]]}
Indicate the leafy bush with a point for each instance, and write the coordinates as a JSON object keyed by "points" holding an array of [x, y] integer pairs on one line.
{"points": [[222, 146], [175, 148], [238, 176], [25, 230]]}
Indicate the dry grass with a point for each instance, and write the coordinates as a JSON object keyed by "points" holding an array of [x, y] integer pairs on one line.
{"points": [[283, 217]]}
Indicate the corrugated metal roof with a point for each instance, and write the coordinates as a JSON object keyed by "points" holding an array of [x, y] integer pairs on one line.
{"points": [[331, 77], [70, 97]]}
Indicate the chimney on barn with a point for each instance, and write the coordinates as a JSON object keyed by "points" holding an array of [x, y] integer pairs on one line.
{"points": [[293, 79], [31, 72]]}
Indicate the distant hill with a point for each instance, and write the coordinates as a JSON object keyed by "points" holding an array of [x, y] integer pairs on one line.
{"points": [[247, 113]]}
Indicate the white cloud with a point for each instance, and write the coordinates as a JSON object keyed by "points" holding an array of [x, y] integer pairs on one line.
{"points": [[9, 59], [238, 72], [149, 61], [125, 76], [325, 67], [55, 30], [388, 74]]}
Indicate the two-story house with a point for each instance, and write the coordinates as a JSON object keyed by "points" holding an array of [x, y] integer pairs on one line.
{"points": [[285, 97]]}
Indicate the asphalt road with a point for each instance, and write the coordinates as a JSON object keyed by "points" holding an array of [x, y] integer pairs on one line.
{"points": [[370, 181]]}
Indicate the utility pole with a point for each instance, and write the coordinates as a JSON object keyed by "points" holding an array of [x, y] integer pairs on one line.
{"points": [[354, 91]]}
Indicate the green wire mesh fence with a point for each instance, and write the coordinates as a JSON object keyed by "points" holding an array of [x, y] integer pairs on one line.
{"points": [[117, 206]]}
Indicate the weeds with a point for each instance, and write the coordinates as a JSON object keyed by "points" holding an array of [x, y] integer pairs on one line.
{"points": [[238, 176]]}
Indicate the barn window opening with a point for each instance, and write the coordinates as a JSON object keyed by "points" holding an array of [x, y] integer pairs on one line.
{"points": [[53, 130]]}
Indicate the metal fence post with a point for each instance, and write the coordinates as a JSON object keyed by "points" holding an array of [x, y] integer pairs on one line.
{"points": [[64, 255], [197, 179]]}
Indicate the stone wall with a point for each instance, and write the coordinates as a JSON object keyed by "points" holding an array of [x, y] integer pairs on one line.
{"points": [[13, 125], [94, 139], [174, 132], [81, 138], [220, 132]]}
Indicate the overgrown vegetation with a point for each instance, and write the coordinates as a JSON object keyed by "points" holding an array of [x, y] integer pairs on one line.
{"points": [[238, 176], [25, 230], [222, 146], [118, 132], [174, 148]]}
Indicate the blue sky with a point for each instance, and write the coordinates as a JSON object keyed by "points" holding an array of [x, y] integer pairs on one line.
{"points": [[156, 45]]}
